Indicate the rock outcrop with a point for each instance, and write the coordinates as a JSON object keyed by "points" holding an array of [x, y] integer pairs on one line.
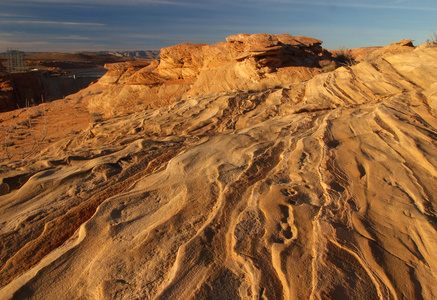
{"points": [[394, 48], [373, 53], [243, 62], [324, 189]]}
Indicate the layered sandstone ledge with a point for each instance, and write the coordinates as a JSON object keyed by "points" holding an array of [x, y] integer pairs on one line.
{"points": [[243, 62]]}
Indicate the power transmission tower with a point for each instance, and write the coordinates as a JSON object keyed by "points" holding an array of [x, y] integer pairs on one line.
{"points": [[15, 61]]}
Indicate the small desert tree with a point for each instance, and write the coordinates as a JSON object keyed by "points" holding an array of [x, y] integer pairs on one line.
{"points": [[432, 42]]}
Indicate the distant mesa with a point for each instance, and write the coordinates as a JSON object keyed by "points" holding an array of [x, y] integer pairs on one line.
{"points": [[144, 54]]}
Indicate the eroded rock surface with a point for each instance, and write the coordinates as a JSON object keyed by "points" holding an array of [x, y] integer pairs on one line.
{"points": [[243, 62], [321, 190]]}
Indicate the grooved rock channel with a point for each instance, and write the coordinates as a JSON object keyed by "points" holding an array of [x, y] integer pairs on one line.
{"points": [[324, 189]]}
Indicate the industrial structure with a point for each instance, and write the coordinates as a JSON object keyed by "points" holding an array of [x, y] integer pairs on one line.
{"points": [[15, 61]]}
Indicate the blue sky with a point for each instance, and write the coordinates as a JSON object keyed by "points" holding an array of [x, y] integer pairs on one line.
{"points": [[77, 25]]}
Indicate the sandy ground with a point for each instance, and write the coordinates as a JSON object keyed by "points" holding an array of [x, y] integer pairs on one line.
{"points": [[325, 190], [25, 132]]}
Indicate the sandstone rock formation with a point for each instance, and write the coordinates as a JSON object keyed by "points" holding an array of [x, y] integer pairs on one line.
{"points": [[324, 189], [243, 62], [394, 48]]}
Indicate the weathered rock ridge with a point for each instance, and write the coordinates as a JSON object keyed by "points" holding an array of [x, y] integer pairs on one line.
{"points": [[324, 189], [243, 62]]}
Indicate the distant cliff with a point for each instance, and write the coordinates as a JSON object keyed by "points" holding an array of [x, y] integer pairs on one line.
{"points": [[148, 54], [56, 75], [18, 90]]}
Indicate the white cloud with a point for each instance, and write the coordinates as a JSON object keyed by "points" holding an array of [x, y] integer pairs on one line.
{"points": [[72, 37], [26, 46], [55, 46], [6, 15], [114, 2], [37, 22], [421, 5], [377, 5]]}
